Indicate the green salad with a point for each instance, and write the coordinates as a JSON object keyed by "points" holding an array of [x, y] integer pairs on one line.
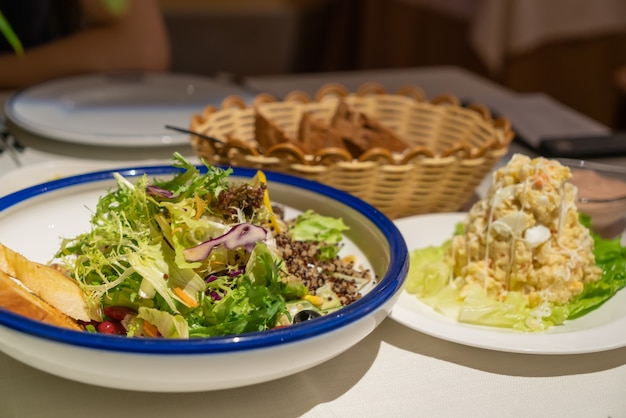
{"points": [[200, 255]]}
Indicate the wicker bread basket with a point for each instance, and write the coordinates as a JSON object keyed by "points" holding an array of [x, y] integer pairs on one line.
{"points": [[451, 147]]}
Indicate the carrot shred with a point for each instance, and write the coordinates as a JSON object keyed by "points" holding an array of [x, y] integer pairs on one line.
{"points": [[150, 329], [200, 207], [540, 179], [187, 300]]}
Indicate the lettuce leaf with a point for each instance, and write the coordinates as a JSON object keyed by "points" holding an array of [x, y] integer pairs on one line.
{"points": [[252, 302], [311, 226], [611, 257], [169, 325]]}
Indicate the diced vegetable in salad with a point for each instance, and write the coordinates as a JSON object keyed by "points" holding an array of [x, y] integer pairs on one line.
{"points": [[201, 255]]}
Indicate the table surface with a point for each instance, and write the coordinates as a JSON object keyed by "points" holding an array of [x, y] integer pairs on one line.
{"points": [[395, 371]]}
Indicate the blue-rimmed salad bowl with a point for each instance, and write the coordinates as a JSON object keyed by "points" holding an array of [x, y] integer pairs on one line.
{"points": [[33, 220]]}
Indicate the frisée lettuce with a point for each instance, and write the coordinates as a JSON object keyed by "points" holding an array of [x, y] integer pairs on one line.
{"points": [[196, 255]]}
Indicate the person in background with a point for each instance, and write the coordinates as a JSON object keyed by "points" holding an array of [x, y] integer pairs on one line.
{"points": [[69, 37]]}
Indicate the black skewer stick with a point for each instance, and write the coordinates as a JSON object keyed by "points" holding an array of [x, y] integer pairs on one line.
{"points": [[187, 131]]}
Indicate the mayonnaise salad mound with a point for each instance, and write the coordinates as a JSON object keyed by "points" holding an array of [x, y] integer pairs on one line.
{"points": [[525, 236]]}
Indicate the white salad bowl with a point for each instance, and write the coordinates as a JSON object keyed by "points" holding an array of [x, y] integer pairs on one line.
{"points": [[33, 220]]}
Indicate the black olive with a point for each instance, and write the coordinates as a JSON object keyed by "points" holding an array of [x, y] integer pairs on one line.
{"points": [[305, 315]]}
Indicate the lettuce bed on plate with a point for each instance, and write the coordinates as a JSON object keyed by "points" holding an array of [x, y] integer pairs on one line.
{"points": [[429, 280]]}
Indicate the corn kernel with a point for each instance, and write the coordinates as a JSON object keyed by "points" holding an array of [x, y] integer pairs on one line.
{"points": [[315, 300]]}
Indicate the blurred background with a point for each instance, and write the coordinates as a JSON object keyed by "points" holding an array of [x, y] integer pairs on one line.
{"points": [[572, 50]]}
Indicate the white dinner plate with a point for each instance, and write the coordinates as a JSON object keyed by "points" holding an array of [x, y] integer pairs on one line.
{"points": [[599, 330], [121, 110]]}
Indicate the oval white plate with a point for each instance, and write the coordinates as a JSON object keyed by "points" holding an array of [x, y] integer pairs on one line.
{"points": [[600, 330], [116, 109]]}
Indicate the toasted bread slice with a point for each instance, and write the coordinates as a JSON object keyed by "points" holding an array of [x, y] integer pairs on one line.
{"points": [[269, 133], [315, 135], [16, 298], [361, 132], [47, 283]]}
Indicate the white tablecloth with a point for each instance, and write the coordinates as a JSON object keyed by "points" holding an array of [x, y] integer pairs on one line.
{"points": [[394, 372]]}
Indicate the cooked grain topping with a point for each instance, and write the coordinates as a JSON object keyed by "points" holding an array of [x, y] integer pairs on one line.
{"points": [[302, 260]]}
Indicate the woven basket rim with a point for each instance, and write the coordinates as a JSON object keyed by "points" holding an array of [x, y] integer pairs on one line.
{"points": [[502, 131]]}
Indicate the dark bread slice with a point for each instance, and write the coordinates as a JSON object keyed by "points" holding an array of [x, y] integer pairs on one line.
{"points": [[361, 132], [314, 134], [268, 134]]}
